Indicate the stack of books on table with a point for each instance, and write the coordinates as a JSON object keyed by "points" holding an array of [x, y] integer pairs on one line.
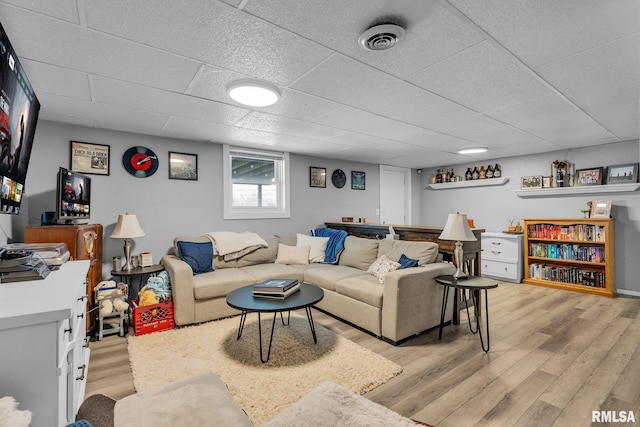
{"points": [[276, 288], [29, 269]]}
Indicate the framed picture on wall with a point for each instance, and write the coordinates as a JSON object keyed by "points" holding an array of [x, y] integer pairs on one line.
{"points": [[600, 209], [183, 166], [622, 174], [357, 180], [317, 177], [591, 176], [88, 158]]}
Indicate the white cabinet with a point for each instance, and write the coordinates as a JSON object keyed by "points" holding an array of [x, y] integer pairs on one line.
{"points": [[43, 349], [502, 256]]}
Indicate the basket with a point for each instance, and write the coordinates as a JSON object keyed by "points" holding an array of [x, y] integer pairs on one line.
{"points": [[152, 318]]}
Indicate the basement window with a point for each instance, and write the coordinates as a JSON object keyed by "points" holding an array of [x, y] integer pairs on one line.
{"points": [[256, 184]]}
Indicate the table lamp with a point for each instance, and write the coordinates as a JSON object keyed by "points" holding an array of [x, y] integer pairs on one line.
{"points": [[126, 228], [457, 228]]}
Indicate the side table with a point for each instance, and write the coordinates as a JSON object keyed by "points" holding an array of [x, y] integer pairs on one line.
{"points": [[474, 285], [138, 273]]}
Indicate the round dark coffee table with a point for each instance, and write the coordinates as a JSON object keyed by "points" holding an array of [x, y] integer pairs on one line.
{"points": [[243, 300]]}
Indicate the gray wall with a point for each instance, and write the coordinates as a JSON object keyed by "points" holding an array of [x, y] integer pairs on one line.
{"points": [[492, 207], [167, 208]]}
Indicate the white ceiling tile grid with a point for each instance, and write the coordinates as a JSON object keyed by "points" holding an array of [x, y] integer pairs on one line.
{"points": [[518, 76]]}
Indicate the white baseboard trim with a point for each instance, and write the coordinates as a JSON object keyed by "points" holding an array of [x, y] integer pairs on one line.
{"points": [[631, 293]]}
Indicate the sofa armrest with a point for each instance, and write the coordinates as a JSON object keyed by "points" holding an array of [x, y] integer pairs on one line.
{"points": [[182, 288], [412, 300]]}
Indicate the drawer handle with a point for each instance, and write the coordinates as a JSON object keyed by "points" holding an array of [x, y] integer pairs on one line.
{"points": [[83, 368], [496, 243], [86, 342], [83, 297], [81, 315], [68, 331], [496, 252]]}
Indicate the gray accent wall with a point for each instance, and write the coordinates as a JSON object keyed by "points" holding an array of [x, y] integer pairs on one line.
{"points": [[493, 207], [167, 208]]}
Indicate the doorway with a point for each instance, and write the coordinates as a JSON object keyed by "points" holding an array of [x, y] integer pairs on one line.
{"points": [[395, 195]]}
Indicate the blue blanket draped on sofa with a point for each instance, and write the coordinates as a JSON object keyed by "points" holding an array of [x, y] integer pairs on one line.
{"points": [[335, 245]]}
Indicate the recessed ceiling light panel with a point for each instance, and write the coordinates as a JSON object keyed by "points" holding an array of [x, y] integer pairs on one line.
{"points": [[473, 150], [253, 93]]}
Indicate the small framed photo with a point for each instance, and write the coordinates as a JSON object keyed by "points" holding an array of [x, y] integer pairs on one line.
{"points": [[591, 176], [89, 158], [546, 182], [317, 177], [622, 174], [531, 182], [357, 180], [183, 166], [600, 209]]}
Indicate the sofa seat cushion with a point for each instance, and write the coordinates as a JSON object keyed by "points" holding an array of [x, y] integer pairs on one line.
{"points": [[424, 252], [364, 288], [220, 282], [263, 272], [328, 277]]}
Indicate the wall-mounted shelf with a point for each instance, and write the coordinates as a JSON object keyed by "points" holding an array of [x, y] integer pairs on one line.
{"points": [[587, 189], [474, 183]]}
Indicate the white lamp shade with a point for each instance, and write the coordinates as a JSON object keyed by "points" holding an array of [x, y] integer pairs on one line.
{"points": [[126, 227], [457, 228]]}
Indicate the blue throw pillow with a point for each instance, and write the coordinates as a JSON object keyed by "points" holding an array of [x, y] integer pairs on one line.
{"points": [[406, 262], [199, 255]]}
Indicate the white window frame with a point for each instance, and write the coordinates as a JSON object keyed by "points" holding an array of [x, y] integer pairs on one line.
{"points": [[283, 210]]}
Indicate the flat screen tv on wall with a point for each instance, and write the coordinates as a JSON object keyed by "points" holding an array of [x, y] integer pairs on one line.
{"points": [[19, 109], [73, 196]]}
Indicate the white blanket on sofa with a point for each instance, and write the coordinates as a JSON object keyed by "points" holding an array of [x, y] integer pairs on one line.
{"points": [[231, 245]]}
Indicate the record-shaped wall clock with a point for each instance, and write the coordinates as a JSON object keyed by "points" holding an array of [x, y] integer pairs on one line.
{"points": [[140, 162], [338, 178]]}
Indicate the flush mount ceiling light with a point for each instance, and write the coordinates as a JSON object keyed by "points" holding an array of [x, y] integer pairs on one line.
{"points": [[381, 37], [253, 93], [473, 150]]}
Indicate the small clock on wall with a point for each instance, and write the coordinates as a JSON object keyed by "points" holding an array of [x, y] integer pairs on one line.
{"points": [[140, 162], [338, 178]]}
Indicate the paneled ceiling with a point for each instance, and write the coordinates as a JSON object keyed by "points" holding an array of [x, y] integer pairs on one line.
{"points": [[516, 76]]}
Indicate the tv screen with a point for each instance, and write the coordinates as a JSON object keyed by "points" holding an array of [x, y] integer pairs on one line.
{"points": [[19, 109], [73, 196]]}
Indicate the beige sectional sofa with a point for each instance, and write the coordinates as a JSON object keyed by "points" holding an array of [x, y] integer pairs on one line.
{"points": [[408, 302]]}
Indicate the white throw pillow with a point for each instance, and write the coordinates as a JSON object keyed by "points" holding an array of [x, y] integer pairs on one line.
{"points": [[292, 254], [382, 266], [318, 246]]}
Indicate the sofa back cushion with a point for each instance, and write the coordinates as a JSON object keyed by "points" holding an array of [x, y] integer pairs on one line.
{"points": [[359, 252], [424, 252], [263, 255]]}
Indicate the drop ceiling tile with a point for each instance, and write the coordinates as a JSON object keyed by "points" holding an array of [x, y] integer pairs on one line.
{"points": [[627, 133], [118, 93], [63, 9], [57, 80], [538, 115], [69, 46], [211, 32], [352, 83], [210, 83], [482, 78], [509, 138], [286, 126], [619, 113], [581, 134], [78, 121], [433, 32], [539, 31], [599, 75], [65, 106]]}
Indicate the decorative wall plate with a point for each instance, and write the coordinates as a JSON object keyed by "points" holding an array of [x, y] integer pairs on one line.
{"points": [[338, 178], [140, 162]]}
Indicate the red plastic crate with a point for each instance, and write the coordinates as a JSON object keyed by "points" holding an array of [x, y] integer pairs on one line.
{"points": [[152, 318]]}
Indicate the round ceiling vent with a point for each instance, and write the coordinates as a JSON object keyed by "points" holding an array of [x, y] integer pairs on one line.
{"points": [[381, 37]]}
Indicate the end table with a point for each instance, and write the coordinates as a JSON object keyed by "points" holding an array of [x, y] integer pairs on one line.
{"points": [[137, 273], [473, 284]]}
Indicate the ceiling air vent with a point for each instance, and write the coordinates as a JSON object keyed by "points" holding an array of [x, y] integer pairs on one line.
{"points": [[381, 37]]}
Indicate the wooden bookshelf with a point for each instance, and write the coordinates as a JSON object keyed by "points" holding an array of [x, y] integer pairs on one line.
{"points": [[570, 253]]}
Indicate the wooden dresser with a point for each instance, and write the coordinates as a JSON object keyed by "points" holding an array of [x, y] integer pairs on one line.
{"points": [[84, 242]]}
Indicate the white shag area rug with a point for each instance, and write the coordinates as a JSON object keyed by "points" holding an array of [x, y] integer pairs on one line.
{"points": [[296, 366]]}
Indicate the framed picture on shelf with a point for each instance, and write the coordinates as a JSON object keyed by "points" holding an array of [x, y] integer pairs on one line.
{"points": [[622, 174], [600, 209], [317, 177], [531, 182], [591, 176], [183, 166], [546, 182], [89, 158], [357, 180]]}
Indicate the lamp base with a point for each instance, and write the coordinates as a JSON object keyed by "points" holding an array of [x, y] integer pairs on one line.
{"points": [[127, 255], [458, 254]]}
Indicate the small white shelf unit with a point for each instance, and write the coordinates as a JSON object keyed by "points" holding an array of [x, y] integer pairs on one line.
{"points": [[586, 189], [473, 183]]}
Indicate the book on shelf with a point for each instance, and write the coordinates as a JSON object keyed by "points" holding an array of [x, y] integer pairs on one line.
{"points": [[278, 295], [275, 285]]}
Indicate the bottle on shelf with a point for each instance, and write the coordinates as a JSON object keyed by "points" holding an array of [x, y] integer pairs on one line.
{"points": [[432, 180], [497, 172], [489, 171], [439, 177], [483, 172], [475, 174], [452, 176], [468, 176]]}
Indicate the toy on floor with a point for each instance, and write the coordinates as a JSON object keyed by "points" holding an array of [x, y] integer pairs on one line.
{"points": [[109, 295]]}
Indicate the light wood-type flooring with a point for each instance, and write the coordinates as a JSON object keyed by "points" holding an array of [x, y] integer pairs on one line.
{"points": [[555, 357]]}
